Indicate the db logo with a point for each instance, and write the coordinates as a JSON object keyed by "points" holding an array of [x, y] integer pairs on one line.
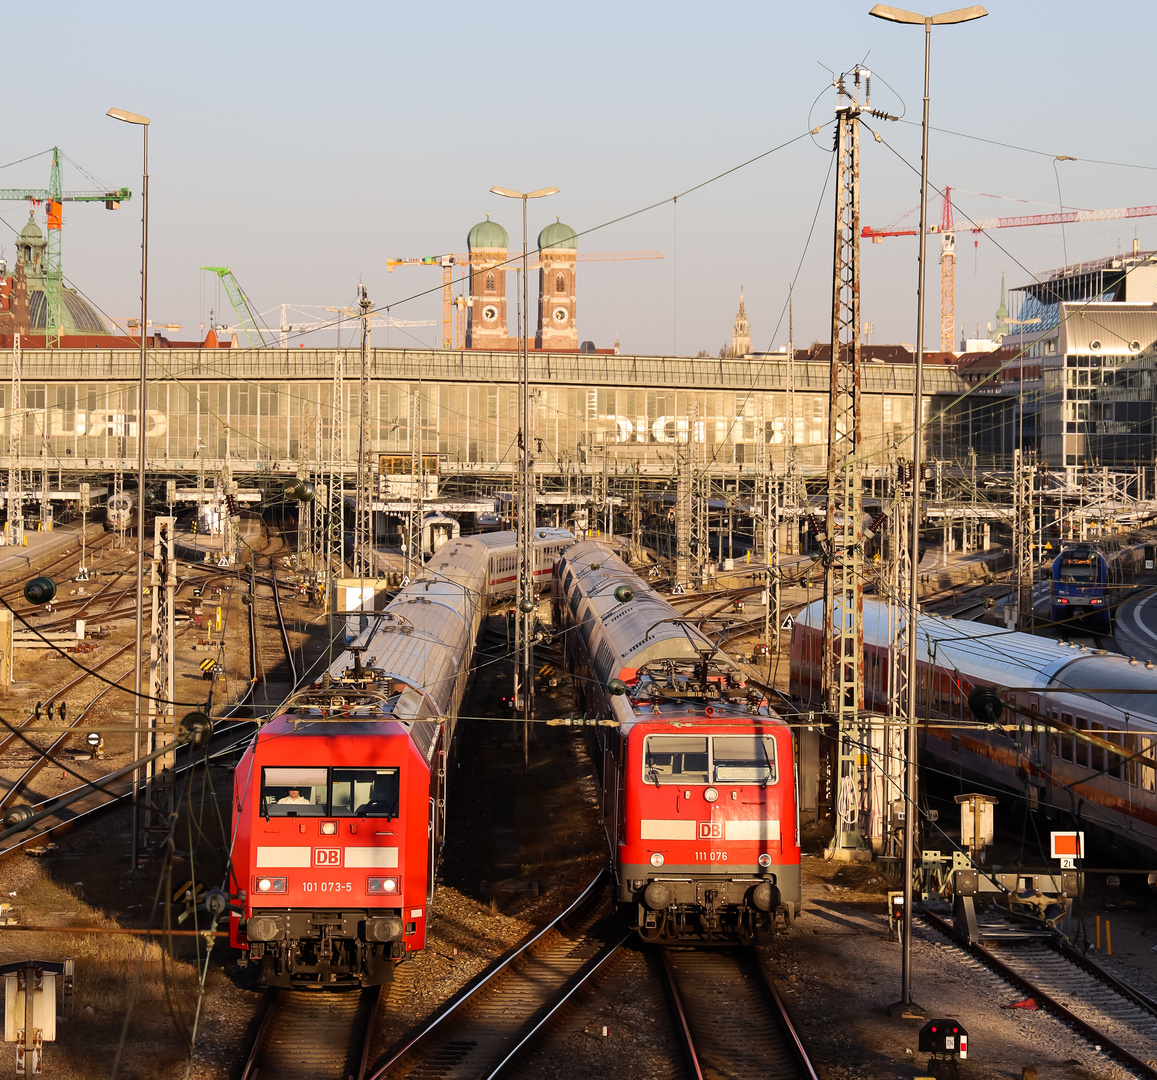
{"points": [[711, 830], [326, 856]]}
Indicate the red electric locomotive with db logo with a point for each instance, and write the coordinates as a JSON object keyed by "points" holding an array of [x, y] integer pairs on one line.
{"points": [[698, 775]]}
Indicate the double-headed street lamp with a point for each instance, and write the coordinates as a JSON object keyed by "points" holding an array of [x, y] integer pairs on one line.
{"points": [[899, 15], [142, 405], [524, 597]]}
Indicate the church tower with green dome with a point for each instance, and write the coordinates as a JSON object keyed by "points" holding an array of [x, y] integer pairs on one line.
{"points": [[486, 328], [557, 323]]}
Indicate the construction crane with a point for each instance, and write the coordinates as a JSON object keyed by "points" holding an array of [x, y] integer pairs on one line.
{"points": [[947, 231], [448, 262], [53, 196], [240, 304]]}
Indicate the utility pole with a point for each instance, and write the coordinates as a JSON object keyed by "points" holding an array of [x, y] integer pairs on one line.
{"points": [[15, 505], [159, 802], [364, 513], [843, 659]]}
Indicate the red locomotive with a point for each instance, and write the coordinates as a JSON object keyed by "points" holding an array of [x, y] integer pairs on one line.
{"points": [[340, 801], [698, 775]]}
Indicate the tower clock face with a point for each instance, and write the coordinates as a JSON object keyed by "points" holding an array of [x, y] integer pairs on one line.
{"points": [[490, 313], [559, 314]]}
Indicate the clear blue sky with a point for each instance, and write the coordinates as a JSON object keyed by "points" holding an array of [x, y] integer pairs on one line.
{"points": [[303, 145]]}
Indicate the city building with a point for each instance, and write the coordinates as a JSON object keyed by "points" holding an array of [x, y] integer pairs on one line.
{"points": [[1090, 330]]}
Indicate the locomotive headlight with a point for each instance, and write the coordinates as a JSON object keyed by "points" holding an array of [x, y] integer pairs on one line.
{"points": [[656, 859], [382, 886], [329, 828], [711, 794], [765, 860], [272, 884]]}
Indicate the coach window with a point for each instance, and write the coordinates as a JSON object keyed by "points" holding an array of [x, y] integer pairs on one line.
{"points": [[1148, 777], [1129, 768], [293, 790], [1068, 740], [365, 793], [675, 759], [1100, 755]]}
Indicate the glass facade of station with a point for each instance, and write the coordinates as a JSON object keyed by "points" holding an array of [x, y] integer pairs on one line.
{"points": [[271, 410]]}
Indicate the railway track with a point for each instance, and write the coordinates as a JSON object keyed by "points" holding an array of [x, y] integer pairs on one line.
{"points": [[484, 1028], [306, 1035], [1110, 1014], [733, 1022]]}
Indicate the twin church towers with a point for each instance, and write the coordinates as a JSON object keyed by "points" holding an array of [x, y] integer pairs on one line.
{"points": [[487, 327]]}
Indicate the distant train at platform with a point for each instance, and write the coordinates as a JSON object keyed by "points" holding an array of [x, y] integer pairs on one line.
{"points": [[698, 775], [1088, 581], [340, 800], [1084, 749]]}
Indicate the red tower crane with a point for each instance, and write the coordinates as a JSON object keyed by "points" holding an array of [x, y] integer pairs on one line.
{"points": [[947, 231]]}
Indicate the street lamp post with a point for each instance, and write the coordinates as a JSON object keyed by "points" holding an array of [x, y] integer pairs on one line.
{"points": [[142, 405], [524, 597], [899, 15]]}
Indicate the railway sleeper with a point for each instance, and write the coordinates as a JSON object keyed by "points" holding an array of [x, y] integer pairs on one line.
{"points": [[332, 948]]}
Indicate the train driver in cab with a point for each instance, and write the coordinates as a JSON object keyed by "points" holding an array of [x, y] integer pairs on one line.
{"points": [[294, 797]]}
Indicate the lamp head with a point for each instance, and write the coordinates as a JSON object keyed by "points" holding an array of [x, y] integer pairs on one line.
{"points": [[510, 193], [895, 14], [128, 117]]}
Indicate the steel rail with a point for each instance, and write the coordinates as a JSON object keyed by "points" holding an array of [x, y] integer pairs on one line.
{"points": [[268, 1006], [681, 1016], [487, 977], [578, 982], [31, 718], [1026, 986], [45, 755], [782, 1047]]}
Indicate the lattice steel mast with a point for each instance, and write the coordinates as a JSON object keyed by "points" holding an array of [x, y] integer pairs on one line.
{"points": [[14, 507], [159, 802], [335, 522], [843, 658], [363, 553]]}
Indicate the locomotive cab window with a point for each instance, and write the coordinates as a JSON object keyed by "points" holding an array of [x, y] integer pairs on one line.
{"points": [[365, 793], [747, 759], [675, 759], [311, 792], [293, 790], [697, 759]]}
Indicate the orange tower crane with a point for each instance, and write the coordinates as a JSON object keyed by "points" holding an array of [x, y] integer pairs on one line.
{"points": [[448, 262], [947, 231]]}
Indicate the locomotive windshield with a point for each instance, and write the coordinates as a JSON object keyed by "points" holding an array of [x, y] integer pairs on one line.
{"points": [[699, 759], [319, 792], [1077, 568]]}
